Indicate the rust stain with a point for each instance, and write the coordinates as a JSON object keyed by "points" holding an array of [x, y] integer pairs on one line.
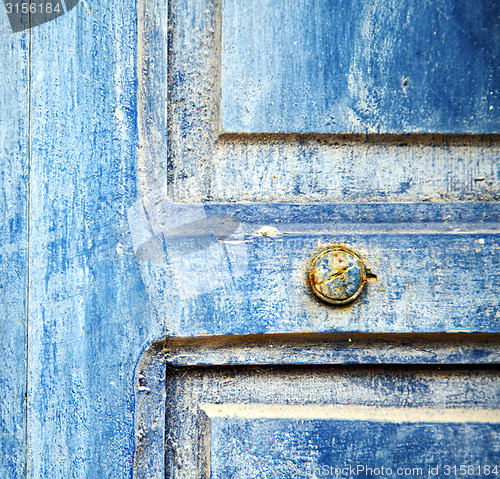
{"points": [[337, 274]]}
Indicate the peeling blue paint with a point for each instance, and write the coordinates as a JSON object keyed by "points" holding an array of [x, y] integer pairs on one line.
{"points": [[84, 303]]}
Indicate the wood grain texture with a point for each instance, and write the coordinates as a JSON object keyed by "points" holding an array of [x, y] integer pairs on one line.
{"points": [[205, 165], [188, 359], [152, 69], [190, 389], [305, 168], [336, 348], [360, 66], [247, 447], [89, 313], [14, 171], [92, 297], [149, 457], [435, 266]]}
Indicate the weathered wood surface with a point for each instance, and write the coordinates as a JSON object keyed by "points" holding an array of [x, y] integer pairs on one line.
{"points": [[98, 155], [436, 267], [330, 440], [185, 361], [194, 396], [14, 170], [202, 165], [362, 66], [89, 317], [331, 348]]}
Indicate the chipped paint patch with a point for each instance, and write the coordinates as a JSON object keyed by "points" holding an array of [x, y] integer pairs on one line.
{"points": [[268, 232]]}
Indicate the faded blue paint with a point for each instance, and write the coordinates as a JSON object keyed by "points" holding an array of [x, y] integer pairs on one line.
{"points": [[96, 156], [436, 267], [170, 388], [200, 164], [360, 66], [255, 421], [14, 113], [89, 314], [241, 448]]}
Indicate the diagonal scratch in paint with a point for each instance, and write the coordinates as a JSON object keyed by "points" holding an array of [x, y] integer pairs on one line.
{"points": [[458, 27]]}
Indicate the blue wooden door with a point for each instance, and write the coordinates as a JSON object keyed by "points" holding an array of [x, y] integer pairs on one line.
{"points": [[300, 135], [251, 239]]}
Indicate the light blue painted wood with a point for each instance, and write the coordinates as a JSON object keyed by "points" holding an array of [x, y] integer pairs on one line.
{"points": [[202, 164], [436, 266], [177, 375], [90, 317], [242, 448], [330, 348], [89, 312], [14, 167], [224, 413], [360, 66]]}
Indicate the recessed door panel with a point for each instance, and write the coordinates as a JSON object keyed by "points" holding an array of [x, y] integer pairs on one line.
{"points": [[360, 66], [293, 421], [348, 441]]}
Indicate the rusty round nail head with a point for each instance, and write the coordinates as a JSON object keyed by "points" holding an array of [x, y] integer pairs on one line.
{"points": [[337, 275]]}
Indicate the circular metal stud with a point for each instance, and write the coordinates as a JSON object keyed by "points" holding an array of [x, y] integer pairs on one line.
{"points": [[337, 275]]}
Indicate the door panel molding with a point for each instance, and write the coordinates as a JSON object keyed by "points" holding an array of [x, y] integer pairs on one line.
{"points": [[183, 384], [184, 155], [215, 269], [175, 355], [281, 197]]}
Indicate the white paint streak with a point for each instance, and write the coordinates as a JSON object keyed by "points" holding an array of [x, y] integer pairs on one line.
{"points": [[355, 413]]}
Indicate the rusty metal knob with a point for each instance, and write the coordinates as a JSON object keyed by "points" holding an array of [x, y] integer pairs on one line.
{"points": [[337, 275]]}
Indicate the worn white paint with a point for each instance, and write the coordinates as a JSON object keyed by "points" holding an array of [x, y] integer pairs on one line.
{"points": [[352, 413]]}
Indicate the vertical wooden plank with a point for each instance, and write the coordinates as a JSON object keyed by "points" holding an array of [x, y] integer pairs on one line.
{"points": [[14, 123], [153, 167], [89, 313]]}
